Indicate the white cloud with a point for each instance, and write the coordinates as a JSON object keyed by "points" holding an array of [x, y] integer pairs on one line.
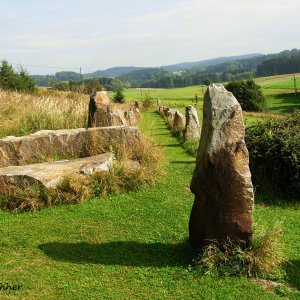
{"points": [[146, 32]]}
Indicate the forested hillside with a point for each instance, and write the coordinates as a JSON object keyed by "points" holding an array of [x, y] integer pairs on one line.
{"points": [[195, 73]]}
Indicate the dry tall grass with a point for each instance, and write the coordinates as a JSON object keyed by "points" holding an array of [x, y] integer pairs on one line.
{"points": [[22, 114]]}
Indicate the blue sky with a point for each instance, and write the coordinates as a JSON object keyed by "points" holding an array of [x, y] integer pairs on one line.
{"points": [[99, 34]]}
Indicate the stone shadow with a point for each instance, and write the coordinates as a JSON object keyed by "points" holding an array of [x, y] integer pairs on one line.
{"points": [[183, 162], [171, 145], [292, 269], [122, 253], [288, 103]]}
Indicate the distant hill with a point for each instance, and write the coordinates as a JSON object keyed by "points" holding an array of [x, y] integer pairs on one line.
{"points": [[112, 72], [218, 69], [208, 62], [119, 71]]}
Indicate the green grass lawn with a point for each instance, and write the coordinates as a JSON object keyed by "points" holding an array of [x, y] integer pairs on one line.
{"points": [[130, 246], [175, 95], [282, 82], [279, 91]]}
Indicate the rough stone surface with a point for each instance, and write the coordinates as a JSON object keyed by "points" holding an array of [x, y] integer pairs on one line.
{"points": [[64, 143], [117, 119], [179, 122], [221, 181], [192, 128], [50, 174], [102, 115], [132, 116], [99, 110], [170, 115], [160, 109], [165, 110]]}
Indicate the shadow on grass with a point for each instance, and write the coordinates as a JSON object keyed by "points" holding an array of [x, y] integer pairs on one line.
{"points": [[292, 269], [267, 196], [288, 103], [159, 128], [171, 145], [183, 162], [157, 134], [122, 253]]}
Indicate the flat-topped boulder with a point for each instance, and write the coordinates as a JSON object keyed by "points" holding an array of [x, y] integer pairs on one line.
{"points": [[50, 174], [221, 182], [64, 143]]}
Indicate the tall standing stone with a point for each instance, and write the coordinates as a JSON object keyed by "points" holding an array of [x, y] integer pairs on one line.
{"points": [[99, 110], [178, 123], [221, 181], [192, 127]]}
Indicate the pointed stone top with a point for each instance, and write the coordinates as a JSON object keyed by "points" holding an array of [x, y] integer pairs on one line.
{"points": [[220, 96]]}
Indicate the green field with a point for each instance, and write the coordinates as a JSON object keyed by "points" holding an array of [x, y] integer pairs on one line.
{"points": [[279, 91], [134, 246], [130, 246]]}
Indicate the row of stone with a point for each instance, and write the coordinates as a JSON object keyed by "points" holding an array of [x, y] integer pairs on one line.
{"points": [[19, 155], [188, 125], [101, 113]]}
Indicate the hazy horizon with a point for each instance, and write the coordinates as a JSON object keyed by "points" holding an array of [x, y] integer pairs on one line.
{"points": [[64, 36]]}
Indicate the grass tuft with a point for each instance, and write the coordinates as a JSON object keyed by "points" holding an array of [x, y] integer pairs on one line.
{"points": [[262, 258]]}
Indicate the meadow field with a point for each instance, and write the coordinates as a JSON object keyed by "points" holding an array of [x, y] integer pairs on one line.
{"points": [[279, 91], [134, 245]]}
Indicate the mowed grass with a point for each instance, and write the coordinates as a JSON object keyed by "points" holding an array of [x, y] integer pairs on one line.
{"points": [[176, 94], [279, 91], [130, 246]]}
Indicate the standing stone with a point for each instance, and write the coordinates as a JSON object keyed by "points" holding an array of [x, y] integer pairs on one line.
{"points": [[192, 127], [161, 109], [165, 110], [132, 116], [116, 118], [157, 102], [99, 110], [178, 123], [170, 115], [221, 181], [136, 112]]}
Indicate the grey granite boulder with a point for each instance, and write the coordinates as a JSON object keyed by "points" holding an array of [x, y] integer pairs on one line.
{"points": [[221, 182], [64, 143], [50, 174]]}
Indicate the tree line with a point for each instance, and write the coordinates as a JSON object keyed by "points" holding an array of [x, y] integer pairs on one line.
{"points": [[12, 80]]}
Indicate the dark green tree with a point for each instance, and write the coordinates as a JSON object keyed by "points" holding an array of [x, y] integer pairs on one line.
{"points": [[119, 96], [15, 81], [92, 85], [248, 93], [25, 82], [8, 78], [207, 81]]}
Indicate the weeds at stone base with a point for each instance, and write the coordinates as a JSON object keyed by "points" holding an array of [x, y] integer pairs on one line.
{"points": [[191, 147], [135, 166], [262, 259]]}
